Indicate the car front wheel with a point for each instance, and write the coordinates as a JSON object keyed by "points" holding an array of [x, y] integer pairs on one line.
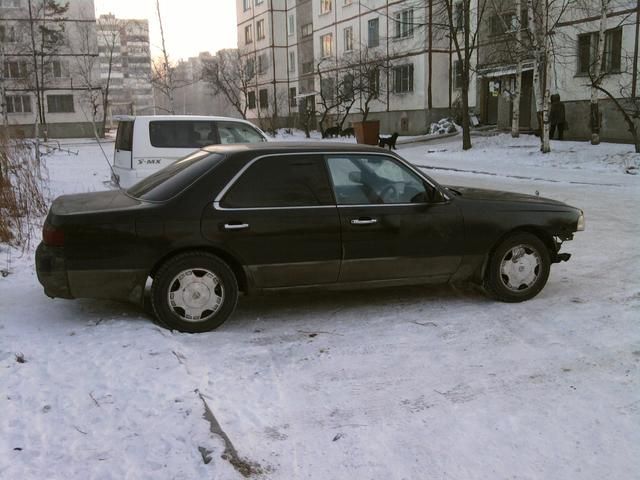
{"points": [[194, 292], [518, 268]]}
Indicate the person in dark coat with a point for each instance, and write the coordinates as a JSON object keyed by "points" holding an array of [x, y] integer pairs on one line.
{"points": [[556, 117]]}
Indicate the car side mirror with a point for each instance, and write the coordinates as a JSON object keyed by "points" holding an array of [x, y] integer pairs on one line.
{"points": [[355, 177], [432, 194]]}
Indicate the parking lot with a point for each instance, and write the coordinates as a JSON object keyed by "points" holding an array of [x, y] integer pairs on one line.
{"points": [[402, 383]]}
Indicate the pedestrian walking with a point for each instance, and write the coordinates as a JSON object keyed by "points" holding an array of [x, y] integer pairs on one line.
{"points": [[556, 117]]}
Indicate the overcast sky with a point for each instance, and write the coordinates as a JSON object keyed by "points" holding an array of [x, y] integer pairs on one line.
{"points": [[190, 26]]}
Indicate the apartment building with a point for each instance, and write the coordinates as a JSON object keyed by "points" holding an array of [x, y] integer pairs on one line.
{"points": [[575, 40], [304, 48], [58, 91], [125, 61]]}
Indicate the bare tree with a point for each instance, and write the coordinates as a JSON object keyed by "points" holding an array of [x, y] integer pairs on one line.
{"points": [[87, 68], [515, 102], [109, 28], [330, 94], [46, 33], [164, 77], [462, 21], [371, 70], [229, 74], [621, 93]]}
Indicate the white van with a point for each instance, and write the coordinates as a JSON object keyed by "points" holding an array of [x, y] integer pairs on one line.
{"points": [[145, 144]]}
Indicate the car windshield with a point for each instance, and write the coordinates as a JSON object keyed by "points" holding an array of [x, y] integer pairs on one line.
{"points": [[174, 178]]}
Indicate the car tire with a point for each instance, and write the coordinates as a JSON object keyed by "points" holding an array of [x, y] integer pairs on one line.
{"points": [[194, 292], [518, 268]]}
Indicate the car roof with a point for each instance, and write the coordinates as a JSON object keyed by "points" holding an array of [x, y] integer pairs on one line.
{"points": [[295, 147]]}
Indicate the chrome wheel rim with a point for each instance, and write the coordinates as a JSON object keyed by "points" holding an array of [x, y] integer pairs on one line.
{"points": [[520, 268], [195, 294]]}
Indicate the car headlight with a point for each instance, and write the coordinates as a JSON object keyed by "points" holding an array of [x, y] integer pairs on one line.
{"points": [[580, 226]]}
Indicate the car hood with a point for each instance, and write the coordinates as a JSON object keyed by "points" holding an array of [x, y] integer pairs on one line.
{"points": [[501, 196], [83, 203]]}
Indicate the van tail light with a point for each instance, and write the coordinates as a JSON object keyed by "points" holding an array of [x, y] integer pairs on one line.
{"points": [[52, 236]]}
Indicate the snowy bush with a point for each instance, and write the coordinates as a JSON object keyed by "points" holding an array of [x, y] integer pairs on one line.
{"points": [[445, 125], [22, 187]]}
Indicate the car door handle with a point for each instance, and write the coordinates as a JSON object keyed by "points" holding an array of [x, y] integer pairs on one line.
{"points": [[363, 221], [236, 226]]}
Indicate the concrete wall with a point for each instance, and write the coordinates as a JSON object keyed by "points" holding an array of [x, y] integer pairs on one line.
{"points": [[56, 130]]}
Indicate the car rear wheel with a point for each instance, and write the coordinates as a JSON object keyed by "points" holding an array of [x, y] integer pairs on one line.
{"points": [[194, 292], [518, 268]]}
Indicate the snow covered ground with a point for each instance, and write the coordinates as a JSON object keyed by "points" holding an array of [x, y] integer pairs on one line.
{"points": [[406, 383]]}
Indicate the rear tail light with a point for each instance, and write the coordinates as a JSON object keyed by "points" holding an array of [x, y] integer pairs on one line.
{"points": [[52, 236]]}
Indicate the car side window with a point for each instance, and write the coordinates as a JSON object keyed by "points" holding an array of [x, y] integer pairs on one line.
{"points": [[374, 179], [236, 132], [281, 181]]}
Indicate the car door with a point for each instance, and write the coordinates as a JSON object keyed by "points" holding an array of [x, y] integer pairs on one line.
{"points": [[280, 219], [395, 224]]}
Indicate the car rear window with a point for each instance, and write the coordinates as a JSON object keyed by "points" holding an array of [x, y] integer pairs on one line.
{"points": [[173, 179]]}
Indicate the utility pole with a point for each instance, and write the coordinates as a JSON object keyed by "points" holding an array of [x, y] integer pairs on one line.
{"points": [[634, 79], [3, 91]]}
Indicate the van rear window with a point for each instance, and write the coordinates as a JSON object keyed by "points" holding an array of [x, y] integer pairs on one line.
{"points": [[124, 137]]}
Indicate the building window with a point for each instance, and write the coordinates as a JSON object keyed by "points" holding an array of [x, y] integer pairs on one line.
{"points": [[307, 67], [15, 69], [246, 4], [263, 63], [60, 103], [259, 2], [291, 25], [18, 104], [293, 93], [497, 25], [9, 3], [325, 6], [260, 29], [248, 36], [292, 61], [404, 23], [612, 54], [403, 78], [327, 88], [7, 33], [250, 68], [347, 86], [348, 39], [458, 16], [374, 32], [373, 86], [251, 100], [457, 73], [307, 30], [57, 70], [326, 45], [264, 98]]}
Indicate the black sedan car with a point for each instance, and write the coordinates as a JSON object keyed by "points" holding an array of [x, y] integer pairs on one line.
{"points": [[253, 218]]}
